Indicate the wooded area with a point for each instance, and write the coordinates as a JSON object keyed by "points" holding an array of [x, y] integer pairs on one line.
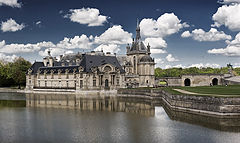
{"points": [[13, 73]]}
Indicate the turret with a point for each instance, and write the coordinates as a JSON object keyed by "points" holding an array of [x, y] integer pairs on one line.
{"points": [[148, 49], [138, 36], [51, 60], [45, 61], [128, 48]]}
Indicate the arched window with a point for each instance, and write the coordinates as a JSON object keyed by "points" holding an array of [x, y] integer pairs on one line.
{"points": [[134, 64], [107, 68]]}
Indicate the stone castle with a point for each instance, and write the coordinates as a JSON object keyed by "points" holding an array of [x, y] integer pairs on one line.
{"points": [[95, 70]]}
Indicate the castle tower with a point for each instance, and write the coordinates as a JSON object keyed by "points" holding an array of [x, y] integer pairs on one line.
{"points": [[141, 61]]}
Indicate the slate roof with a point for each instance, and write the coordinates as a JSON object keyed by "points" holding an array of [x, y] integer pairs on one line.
{"points": [[146, 59], [56, 68], [36, 66], [88, 62]]}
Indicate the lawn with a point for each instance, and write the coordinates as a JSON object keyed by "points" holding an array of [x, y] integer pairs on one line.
{"points": [[219, 90]]}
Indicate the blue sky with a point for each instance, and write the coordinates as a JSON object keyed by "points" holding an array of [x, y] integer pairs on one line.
{"points": [[181, 33]]}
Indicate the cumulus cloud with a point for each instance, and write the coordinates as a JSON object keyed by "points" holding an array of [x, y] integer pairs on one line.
{"points": [[236, 65], [11, 26], [153, 31], [23, 48], [114, 35], [165, 25], [186, 34], [159, 61], [38, 22], [78, 42], [112, 48], [11, 3], [228, 1], [156, 42], [157, 51], [212, 35], [232, 49], [228, 15], [89, 16], [54, 51], [7, 58], [199, 65], [170, 58]]}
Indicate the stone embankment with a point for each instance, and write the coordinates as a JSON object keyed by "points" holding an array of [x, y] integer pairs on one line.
{"points": [[220, 106]]}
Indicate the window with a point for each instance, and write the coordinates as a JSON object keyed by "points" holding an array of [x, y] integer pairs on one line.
{"points": [[81, 83], [67, 76], [94, 82], [51, 75], [134, 64], [29, 77], [117, 81], [113, 79], [67, 84], [81, 75], [45, 76], [38, 83], [29, 81], [59, 76], [107, 69], [147, 81], [74, 75], [45, 83]]}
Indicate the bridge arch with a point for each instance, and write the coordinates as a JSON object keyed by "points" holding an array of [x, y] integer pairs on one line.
{"points": [[187, 82], [214, 81]]}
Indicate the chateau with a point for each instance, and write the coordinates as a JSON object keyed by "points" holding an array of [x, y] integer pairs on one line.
{"points": [[95, 70]]}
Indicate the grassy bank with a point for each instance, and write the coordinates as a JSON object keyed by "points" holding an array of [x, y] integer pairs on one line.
{"points": [[12, 103], [215, 91], [221, 90]]}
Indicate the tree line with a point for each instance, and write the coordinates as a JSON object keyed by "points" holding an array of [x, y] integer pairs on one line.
{"points": [[177, 72], [14, 73]]}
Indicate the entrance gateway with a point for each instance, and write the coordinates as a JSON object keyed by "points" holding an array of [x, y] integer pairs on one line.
{"points": [[187, 82], [215, 81]]}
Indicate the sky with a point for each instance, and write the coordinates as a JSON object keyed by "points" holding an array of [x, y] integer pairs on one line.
{"points": [[186, 33]]}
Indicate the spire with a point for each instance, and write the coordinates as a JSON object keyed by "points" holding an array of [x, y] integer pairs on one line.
{"points": [[137, 23], [138, 37], [49, 53]]}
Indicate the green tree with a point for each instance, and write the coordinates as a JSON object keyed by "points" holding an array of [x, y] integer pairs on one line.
{"points": [[18, 71]]}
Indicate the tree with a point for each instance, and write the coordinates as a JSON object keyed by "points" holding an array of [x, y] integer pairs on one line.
{"points": [[18, 71]]}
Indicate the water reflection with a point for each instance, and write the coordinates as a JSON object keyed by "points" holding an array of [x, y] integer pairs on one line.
{"points": [[138, 106], [217, 123], [96, 103]]}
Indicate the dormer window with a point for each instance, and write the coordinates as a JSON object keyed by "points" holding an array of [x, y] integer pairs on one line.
{"points": [[107, 68]]}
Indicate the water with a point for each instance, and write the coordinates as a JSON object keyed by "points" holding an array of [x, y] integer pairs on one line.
{"points": [[116, 120]]}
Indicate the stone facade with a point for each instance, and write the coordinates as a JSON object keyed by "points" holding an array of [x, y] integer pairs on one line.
{"points": [[88, 71], [138, 64], [193, 80]]}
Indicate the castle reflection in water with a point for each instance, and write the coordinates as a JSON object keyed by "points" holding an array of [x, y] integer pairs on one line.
{"points": [[97, 103], [140, 106]]}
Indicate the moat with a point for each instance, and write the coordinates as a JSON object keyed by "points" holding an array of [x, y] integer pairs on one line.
{"points": [[111, 119]]}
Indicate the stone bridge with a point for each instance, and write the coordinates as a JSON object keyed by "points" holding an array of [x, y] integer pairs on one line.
{"points": [[191, 80]]}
